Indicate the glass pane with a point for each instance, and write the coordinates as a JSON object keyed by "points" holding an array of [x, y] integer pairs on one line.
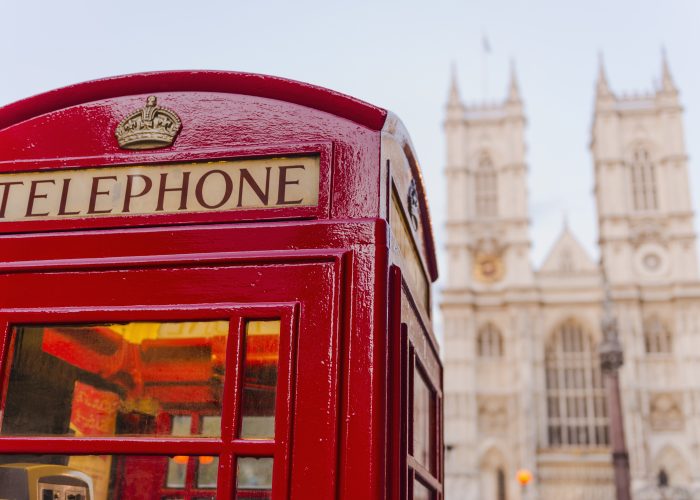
{"points": [[182, 425], [420, 491], [177, 472], [423, 422], [114, 379], [207, 470], [211, 425], [260, 379], [108, 477], [254, 474]]}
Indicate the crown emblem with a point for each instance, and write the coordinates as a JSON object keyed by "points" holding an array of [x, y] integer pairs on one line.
{"points": [[150, 127]]}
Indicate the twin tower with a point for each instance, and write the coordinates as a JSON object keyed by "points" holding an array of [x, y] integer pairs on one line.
{"points": [[522, 382]]}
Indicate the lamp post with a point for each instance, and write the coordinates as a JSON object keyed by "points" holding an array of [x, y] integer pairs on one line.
{"points": [[611, 359]]}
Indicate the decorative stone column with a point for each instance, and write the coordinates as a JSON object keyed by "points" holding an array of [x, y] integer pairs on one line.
{"points": [[611, 359]]}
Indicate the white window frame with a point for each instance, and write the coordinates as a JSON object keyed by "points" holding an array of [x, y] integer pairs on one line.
{"points": [[575, 397]]}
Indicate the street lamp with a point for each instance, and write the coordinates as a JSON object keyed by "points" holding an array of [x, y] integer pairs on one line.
{"points": [[611, 359], [524, 477]]}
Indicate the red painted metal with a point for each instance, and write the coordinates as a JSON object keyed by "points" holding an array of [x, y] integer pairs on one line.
{"points": [[343, 399], [223, 82]]}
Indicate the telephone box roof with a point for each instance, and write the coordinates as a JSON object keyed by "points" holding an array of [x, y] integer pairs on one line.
{"points": [[251, 84]]}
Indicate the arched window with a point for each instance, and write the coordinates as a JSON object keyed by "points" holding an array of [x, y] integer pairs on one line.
{"points": [[657, 338], [643, 181], [486, 184], [576, 405], [489, 342]]}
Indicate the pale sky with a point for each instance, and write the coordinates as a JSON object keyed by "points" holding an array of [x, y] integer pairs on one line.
{"points": [[396, 55]]}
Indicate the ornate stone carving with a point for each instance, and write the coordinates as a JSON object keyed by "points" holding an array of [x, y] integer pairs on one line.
{"points": [[493, 414], [665, 412], [488, 243], [647, 230], [150, 127]]}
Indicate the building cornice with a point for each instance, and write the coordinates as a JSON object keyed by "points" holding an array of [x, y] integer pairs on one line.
{"points": [[543, 295]]}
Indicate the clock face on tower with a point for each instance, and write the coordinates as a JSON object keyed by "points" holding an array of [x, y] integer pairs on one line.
{"points": [[488, 268], [651, 260]]}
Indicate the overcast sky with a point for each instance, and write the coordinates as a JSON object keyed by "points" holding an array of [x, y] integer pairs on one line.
{"points": [[396, 55]]}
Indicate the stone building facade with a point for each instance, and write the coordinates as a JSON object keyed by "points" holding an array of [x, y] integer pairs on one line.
{"points": [[523, 388]]}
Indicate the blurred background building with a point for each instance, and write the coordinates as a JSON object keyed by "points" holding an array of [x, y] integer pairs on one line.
{"points": [[522, 375]]}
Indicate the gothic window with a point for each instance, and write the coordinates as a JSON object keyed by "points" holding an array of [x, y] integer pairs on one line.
{"points": [[576, 404], [657, 338], [643, 181], [486, 184], [489, 342]]}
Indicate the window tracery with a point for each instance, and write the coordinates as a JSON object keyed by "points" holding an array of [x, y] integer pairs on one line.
{"points": [[489, 342], [486, 185], [643, 181], [657, 338], [576, 399]]}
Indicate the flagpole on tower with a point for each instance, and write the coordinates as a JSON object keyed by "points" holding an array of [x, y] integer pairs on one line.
{"points": [[485, 51]]}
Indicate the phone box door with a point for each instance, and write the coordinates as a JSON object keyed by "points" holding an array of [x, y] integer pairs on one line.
{"points": [[175, 381]]}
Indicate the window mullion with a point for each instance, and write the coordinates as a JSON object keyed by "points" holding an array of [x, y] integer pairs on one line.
{"points": [[571, 367], [563, 415], [590, 398]]}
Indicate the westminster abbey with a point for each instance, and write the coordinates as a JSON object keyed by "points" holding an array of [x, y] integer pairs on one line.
{"points": [[523, 386]]}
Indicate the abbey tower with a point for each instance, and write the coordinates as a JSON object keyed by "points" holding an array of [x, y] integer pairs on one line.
{"points": [[522, 379]]}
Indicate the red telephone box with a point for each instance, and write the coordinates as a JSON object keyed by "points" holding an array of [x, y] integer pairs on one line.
{"points": [[214, 285]]}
